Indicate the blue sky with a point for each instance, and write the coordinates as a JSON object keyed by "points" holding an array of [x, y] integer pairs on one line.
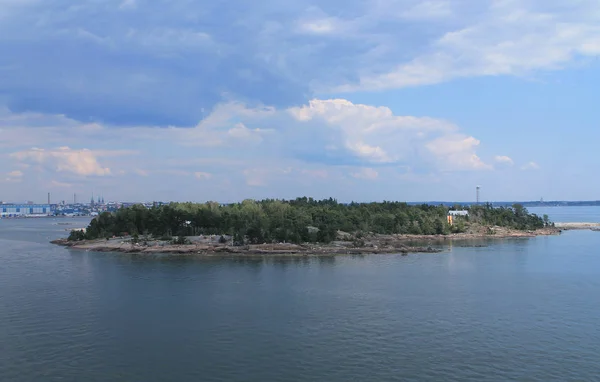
{"points": [[357, 100]]}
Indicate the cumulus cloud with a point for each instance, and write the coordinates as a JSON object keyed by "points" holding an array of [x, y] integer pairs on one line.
{"points": [[64, 159], [504, 160], [318, 148], [374, 135], [327, 132]]}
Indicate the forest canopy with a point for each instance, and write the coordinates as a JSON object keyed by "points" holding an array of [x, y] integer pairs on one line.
{"points": [[300, 220]]}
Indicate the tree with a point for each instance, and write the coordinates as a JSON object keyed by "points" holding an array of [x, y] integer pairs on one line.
{"points": [[300, 220]]}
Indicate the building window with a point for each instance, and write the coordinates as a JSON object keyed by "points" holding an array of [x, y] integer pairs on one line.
{"points": [[31, 211], [18, 210]]}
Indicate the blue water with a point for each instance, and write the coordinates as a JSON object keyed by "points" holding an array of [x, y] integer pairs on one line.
{"points": [[569, 214], [520, 310]]}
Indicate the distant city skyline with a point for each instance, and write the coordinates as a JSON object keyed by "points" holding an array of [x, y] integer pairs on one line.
{"points": [[387, 100]]}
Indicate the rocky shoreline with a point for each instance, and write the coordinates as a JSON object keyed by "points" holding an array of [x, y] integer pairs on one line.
{"points": [[346, 245], [578, 226]]}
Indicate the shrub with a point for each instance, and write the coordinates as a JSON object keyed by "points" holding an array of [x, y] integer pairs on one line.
{"points": [[180, 240], [76, 235]]}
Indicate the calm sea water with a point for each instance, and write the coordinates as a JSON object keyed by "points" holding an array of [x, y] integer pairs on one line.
{"points": [[523, 310], [569, 214]]}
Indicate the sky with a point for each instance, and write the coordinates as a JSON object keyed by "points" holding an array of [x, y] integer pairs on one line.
{"points": [[181, 100]]}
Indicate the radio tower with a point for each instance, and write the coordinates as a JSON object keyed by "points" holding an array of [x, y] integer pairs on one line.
{"points": [[477, 194]]}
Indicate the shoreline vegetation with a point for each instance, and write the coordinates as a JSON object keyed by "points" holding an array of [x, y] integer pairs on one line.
{"points": [[303, 226]]}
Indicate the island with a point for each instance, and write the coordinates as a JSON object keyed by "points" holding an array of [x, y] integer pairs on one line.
{"points": [[303, 226]]}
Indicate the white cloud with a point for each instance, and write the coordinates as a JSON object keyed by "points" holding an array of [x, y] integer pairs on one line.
{"points": [[240, 131], [509, 38], [457, 152], [503, 159], [530, 166], [376, 135], [64, 159], [15, 174], [191, 56], [321, 144], [321, 26]]}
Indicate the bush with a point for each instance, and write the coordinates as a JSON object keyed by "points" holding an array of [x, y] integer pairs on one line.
{"points": [[76, 235], [180, 240]]}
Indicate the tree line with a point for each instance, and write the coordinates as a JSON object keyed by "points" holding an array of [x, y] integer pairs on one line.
{"points": [[296, 221]]}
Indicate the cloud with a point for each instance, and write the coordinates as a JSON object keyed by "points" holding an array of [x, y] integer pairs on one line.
{"points": [[507, 37], [13, 177], [365, 173], [322, 132], [141, 172], [318, 148], [530, 166], [159, 63], [15, 174], [64, 159], [504, 160], [202, 175], [374, 135]]}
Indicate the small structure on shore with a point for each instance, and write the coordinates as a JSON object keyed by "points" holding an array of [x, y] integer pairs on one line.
{"points": [[453, 214]]}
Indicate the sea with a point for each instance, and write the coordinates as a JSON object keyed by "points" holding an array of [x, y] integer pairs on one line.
{"points": [[505, 310]]}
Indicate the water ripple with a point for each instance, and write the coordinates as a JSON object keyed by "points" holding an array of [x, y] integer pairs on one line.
{"points": [[510, 312]]}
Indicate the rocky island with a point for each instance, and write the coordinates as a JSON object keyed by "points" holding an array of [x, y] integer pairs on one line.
{"points": [[303, 226]]}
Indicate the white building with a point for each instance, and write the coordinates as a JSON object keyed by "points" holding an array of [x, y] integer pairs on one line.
{"points": [[24, 210]]}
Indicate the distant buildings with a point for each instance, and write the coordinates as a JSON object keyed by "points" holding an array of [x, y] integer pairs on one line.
{"points": [[25, 210]]}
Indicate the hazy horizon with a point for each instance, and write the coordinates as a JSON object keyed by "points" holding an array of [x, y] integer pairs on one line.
{"points": [[384, 100]]}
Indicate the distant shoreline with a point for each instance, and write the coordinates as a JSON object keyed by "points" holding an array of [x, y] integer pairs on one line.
{"points": [[570, 226], [373, 244]]}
